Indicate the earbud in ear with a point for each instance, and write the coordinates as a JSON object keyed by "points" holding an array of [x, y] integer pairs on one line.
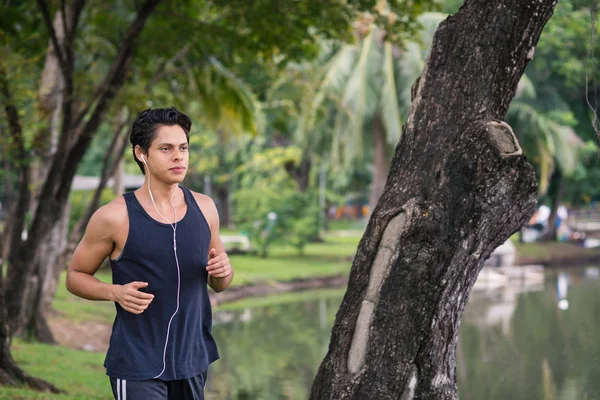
{"points": [[143, 159]]}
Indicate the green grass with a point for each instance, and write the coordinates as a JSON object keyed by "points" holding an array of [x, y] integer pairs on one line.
{"points": [[78, 309], [77, 372], [283, 264], [346, 224]]}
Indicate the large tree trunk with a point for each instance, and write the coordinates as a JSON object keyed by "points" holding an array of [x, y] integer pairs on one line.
{"points": [[381, 166], [49, 265], [10, 373], [458, 187]]}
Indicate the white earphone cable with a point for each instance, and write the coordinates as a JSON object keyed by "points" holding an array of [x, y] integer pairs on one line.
{"points": [[174, 226]]}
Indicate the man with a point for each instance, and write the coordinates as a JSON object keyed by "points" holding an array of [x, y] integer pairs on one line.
{"points": [[164, 248]]}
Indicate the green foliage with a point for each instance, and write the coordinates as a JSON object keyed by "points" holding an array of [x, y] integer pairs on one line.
{"points": [[561, 60], [550, 114], [252, 210], [366, 80], [299, 217], [583, 188], [277, 216], [268, 206]]}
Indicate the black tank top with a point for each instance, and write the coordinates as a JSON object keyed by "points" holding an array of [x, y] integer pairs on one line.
{"points": [[137, 345]]}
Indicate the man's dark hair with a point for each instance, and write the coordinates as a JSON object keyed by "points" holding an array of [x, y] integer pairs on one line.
{"points": [[147, 123]]}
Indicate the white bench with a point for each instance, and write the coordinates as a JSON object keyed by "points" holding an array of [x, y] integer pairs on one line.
{"points": [[237, 242]]}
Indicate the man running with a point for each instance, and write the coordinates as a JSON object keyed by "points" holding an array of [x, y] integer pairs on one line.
{"points": [[164, 248]]}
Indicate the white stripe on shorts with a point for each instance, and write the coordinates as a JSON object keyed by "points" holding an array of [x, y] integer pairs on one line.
{"points": [[124, 391], [118, 389]]}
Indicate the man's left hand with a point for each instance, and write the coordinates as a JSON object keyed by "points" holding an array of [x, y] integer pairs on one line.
{"points": [[219, 266]]}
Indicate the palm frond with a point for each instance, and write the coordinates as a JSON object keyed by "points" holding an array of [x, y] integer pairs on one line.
{"points": [[546, 167], [337, 71], [228, 103], [390, 109], [361, 93], [568, 148], [547, 141]]}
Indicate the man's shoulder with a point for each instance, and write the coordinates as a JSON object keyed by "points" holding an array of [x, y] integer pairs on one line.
{"points": [[111, 213], [202, 199], [208, 208]]}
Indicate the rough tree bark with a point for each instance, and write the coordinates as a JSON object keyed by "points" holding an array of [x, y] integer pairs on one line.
{"points": [[42, 284], [458, 187]]}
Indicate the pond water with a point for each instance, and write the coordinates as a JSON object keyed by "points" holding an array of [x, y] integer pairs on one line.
{"points": [[526, 341]]}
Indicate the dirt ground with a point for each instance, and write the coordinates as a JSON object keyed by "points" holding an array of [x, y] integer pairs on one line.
{"points": [[82, 335]]}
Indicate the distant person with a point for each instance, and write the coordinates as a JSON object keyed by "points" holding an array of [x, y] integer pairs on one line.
{"points": [[539, 220], [543, 215], [561, 215], [164, 248]]}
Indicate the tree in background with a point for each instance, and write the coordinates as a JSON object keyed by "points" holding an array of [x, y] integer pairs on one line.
{"points": [[369, 84], [548, 139], [269, 207], [558, 115]]}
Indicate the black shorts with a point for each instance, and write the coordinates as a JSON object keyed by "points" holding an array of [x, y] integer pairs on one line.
{"points": [[155, 389]]}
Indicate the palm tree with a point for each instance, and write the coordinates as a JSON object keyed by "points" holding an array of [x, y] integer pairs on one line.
{"points": [[541, 124], [228, 104], [369, 84]]}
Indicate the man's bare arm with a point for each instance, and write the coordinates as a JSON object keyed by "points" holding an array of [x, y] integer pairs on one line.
{"points": [[219, 267], [95, 246]]}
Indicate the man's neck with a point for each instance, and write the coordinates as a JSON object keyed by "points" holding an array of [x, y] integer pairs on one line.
{"points": [[162, 193]]}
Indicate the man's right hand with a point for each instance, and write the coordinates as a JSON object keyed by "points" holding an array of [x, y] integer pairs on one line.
{"points": [[131, 299]]}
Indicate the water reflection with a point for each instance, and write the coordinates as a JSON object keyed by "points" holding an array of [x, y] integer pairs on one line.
{"points": [[542, 345], [517, 342], [271, 352]]}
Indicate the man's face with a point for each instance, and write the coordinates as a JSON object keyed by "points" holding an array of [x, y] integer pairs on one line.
{"points": [[168, 154]]}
